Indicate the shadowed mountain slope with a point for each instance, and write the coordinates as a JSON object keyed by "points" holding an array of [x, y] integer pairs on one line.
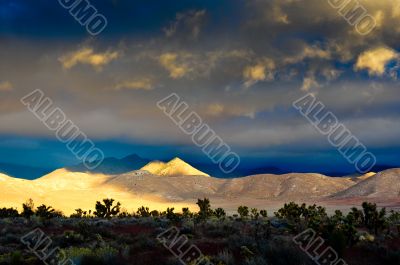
{"points": [[385, 184]]}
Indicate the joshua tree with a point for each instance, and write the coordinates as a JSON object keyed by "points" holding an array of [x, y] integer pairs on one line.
{"points": [[373, 219], [124, 213], [369, 210], [254, 214], [314, 216], [394, 220], [264, 213], [28, 209], [143, 211], [205, 208], [186, 213], [243, 211], [171, 215], [46, 212], [219, 213], [292, 212], [79, 213], [107, 210], [358, 216]]}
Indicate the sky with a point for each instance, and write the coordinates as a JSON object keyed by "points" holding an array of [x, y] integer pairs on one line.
{"points": [[239, 64]]}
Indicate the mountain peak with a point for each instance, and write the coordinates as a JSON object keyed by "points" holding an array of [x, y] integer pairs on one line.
{"points": [[177, 160], [175, 167]]}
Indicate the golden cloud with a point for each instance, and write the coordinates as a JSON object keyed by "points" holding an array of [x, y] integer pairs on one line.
{"points": [[262, 71], [88, 56], [307, 52], [170, 62], [215, 109], [375, 60], [218, 110], [6, 86], [309, 82], [139, 84]]}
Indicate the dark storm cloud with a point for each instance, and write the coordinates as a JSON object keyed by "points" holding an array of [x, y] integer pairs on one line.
{"points": [[239, 64]]}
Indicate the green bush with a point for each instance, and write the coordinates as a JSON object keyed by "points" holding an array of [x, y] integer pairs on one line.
{"points": [[86, 256]]}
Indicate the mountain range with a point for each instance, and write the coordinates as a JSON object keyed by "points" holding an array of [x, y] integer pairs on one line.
{"points": [[176, 183], [112, 165]]}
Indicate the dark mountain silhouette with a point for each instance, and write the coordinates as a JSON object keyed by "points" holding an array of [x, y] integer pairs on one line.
{"points": [[112, 165], [23, 172]]}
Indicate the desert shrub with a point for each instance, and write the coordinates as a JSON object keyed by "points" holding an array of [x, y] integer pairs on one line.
{"points": [[392, 258], [8, 212], [284, 253], [79, 213], [236, 241], [72, 238], [125, 239], [226, 257], [87, 256], [15, 258], [85, 229], [172, 261], [246, 253], [10, 238], [215, 231], [338, 241], [143, 241], [255, 261]]}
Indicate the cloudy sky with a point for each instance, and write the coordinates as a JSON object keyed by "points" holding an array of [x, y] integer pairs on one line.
{"points": [[239, 64]]}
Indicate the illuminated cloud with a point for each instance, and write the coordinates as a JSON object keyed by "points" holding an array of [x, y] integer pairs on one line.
{"points": [[88, 56], [262, 71], [375, 60], [215, 109], [139, 84], [6, 86], [175, 68], [218, 110], [308, 52], [309, 82]]}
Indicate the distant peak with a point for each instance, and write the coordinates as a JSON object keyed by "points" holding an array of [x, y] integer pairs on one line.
{"points": [[177, 160], [175, 167], [133, 157]]}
